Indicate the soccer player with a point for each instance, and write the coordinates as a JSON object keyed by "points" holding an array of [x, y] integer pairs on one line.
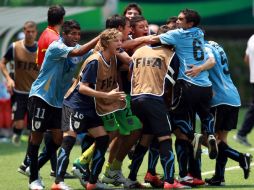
{"points": [[47, 91], [140, 28], [225, 107], [129, 124], [55, 19], [122, 121], [55, 16], [192, 94], [97, 79], [23, 52], [226, 102], [150, 70]]}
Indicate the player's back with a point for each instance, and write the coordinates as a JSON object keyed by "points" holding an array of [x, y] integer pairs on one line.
{"points": [[190, 48], [150, 67], [46, 38], [223, 86]]}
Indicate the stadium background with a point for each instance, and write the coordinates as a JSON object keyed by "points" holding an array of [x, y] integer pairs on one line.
{"points": [[228, 22]]}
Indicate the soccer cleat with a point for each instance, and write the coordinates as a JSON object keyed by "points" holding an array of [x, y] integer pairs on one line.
{"points": [[175, 185], [212, 147], [16, 140], [60, 186], [23, 169], [129, 184], [187, 180], [66, 175], [215, 181], [81, 171], [98, 185], [245, 165], [114, 177], [242, 139], [196, 143], [154, 180], [36, 185], [197, 181]]}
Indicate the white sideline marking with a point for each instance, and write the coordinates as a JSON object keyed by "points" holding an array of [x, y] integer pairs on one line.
{"points": [[227, 169]]}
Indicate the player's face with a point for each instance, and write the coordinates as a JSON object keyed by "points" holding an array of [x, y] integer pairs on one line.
{"points": [[126, 30], [182, 22], [72, 38], [30, 33], [115, 44], [131, 13], [141, 29]]}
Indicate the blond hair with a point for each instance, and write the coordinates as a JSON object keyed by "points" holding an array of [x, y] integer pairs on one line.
{"points": [[108, 35]]}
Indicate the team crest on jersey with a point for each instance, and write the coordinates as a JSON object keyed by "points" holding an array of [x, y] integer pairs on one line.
{"points": [[76, 124], [74, 60], [81, 116], [37, 124]]}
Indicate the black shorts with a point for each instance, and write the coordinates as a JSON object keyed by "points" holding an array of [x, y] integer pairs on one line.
{"points": [[78, 121], [42, 116], [191, 98], [19, 106], [154, 116], [225, 117]]}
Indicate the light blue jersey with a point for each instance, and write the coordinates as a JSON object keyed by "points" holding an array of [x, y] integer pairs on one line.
{"points": [[56, 73], [224, 90], [190, 48]]}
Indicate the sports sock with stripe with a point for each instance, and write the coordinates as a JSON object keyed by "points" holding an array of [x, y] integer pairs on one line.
{"points": [[182, 152], [167, 160], [136, 162], [153, 156], [101, 145], [63, 157]]}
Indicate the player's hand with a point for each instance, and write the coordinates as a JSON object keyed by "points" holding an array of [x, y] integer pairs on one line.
{"points": [[147, 39], [116, 94], [193, 71], [10, 86]]}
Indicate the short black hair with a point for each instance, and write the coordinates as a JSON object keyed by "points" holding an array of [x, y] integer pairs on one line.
{"points": [[68, 25], [171, 19], [132, 6], [136, 19], [115, 21], [191, 16], [55, 15]]}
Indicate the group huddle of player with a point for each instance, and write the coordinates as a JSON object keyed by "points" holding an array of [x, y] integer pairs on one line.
{"points": [[136, 87]]}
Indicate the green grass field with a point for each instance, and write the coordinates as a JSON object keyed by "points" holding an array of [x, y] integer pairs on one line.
{"points": [[11, 157]]}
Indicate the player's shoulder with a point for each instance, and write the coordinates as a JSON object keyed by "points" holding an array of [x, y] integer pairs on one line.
{"points": [[57, 44], [176, 31], [48, 36]]}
